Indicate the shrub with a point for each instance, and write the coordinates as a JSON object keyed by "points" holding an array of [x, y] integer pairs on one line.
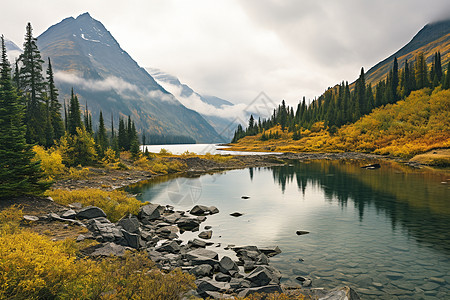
{"points": [[78, 173], [10, 218], [165, 152], [51, 161], [110, 158], [78, 149], [115, 204]]}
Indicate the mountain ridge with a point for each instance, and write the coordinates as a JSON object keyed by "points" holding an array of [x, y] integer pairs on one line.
{"points": [[86, 56]]}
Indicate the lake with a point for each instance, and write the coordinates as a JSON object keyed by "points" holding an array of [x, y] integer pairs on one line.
{"points": [[200, 149], [384, 232]]}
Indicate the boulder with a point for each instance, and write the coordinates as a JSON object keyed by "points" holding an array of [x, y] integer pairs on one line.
{"points": [[371, 166], [172, 218], [69, 214], [196, 243], [227, 265], [239, 283], [270, 251], [263, 275], [109, 249], [222, 277], [171, 247], [205, 253], [205, 234], [202, 210], [131, 239], [150, 212], [301, 232], [129, 223], [90, 212], [201, 270], [209, 285], [341, 293], [262, 259], [262, 289], [188, 224]]}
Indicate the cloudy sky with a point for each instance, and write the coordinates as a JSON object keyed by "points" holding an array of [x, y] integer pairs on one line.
{"points": [[235, 49]]}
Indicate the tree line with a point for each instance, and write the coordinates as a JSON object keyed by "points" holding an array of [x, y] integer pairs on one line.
{"points": [[344, 104]]}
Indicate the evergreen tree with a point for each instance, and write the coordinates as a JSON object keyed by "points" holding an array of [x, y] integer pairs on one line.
{"points": [[74, 115], [395, 81], [446, 84], [360, 96], [18, 174], [32, 86], [55, 106], [421, 74], [122, 136], [101, 138]]}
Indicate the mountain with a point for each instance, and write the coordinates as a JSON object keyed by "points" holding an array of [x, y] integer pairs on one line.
{"points": [[212, 108], [86, 56], [430, 39], [13, 50]]}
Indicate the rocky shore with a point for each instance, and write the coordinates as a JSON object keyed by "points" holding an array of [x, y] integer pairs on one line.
{"points": [[156, 230]]}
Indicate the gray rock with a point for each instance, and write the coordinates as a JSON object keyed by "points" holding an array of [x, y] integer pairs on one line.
{"points": [[238, 283], [222, 277], [236, 214], [341, 293], [202, 210], [69, 214], [188, 224], [76, 205], [262, 289], [132, 239], [207, 227], [30, 218], [202, 270], [205, 234], [260, 277], [146, 235], [301, 232], [90, 212], [172, 218], [150, 212], [209, 285], [249, 265], [217, 295], [109, 249], [205, 253], [270, 251], [262, 259], [196, 243], [171, 247], [129, 223], [227, 265]]}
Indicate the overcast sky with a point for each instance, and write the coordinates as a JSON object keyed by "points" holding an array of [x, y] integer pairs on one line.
{"points": [[236, 49]]}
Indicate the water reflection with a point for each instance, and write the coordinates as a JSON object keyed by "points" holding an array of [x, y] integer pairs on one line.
{"points": [[416, 200]]}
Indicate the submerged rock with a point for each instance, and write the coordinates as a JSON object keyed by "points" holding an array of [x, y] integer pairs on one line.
{"points": [[301, 232], [371, 166], [236, 214], [202, 210]]}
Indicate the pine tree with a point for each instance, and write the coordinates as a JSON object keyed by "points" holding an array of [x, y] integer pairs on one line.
{"points": [[74, 115], [122, 136], [421, 74], [446, 84], [394, 81], [55, 106], [101, 137], [32, 85], [18, 174]]}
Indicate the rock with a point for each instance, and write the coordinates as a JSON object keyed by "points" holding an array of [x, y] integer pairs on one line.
{"points": [[260, 277], [167, 229], [341, 293], [371, 166], [262, 259], [202, 210], [172, 218], [209, 285], [205, 234], [171, 247], [301, 232], [69, 214], [201, 270], [222, 277], [227, 265], [132, 239], [236, 214], [261, 289], [109, 249], [129, 223], [249, 265], [245, 197], [207, 227], [217, 295], [205, 253], [90, 212], [237, 283], [188, 224], [150, 212], [197, 243], [270, 251], [76, 205], [30, 218], [307, 283]]}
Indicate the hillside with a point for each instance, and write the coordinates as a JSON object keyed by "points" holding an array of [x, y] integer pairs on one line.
{"points": [[86, 56], [415, 125], [432, 38]]}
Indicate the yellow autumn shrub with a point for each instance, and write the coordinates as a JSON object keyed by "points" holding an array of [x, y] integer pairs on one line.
{"points": [[115, 204], [51, 161]]}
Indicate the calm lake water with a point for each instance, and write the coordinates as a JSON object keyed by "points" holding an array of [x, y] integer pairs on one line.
{"points": [[385, 232], [200, 149]]}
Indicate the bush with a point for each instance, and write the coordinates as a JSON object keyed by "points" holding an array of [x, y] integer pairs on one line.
{"points": [[78, 149], [115, 204], [51, 161]]}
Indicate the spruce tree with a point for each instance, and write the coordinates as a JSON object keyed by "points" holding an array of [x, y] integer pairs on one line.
{"points": [[421, 74], [394, 81], [55, 106], [18, 174], [122, 135], [74, 115], [102, 138], [32, 86], [446, 83]]}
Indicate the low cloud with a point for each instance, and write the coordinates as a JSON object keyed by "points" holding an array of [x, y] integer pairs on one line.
{"points": [[110, 83]]}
